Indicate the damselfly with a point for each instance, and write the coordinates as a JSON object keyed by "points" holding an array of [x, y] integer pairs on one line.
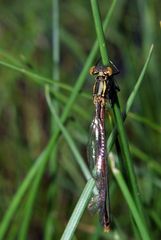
{"points": [[104, 90]]}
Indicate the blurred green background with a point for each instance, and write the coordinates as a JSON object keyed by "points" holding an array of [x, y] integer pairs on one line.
{"points": [[27, 40]]}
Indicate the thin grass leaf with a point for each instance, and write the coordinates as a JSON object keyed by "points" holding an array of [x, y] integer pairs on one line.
{"points": [[129, 199], [10, 59], [28, 209], [56, 40], [78, 211], [40, 164], [69, 140], [53, 166], [42, 80], [128, 161], [123, 137], [156, 219], [139, 81], [36, 77], [152, 164], [130, 99], [63, 99], [72, 44], [99, 31], [145, 121]]}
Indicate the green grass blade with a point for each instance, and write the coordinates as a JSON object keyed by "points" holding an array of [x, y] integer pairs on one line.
{"points": [[63, 99], [78, 211], [36, 77], [28, 209], [53, 164], [125, 148], [56, 40], [129, 199], [156, 218], [99, 31], [123, 137], [152, 164], [69, 140], [139, 81], [40, 163], [130, 100], [145, 121], [75, 46]]}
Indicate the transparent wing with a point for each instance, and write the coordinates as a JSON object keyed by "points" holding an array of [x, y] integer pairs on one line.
{"points": [[93, 147], [97, 161]]}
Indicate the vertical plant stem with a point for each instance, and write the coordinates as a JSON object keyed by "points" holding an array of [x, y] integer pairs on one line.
{"points": [[68, 138], [131, 178], [53, 166], [99, 32], [78, 211], [138, 83], [130, 201], [29, 206], [55, 40], [40, 163], [34, 188]]}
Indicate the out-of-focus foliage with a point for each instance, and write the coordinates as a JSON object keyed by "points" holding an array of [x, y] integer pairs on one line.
{"points": [[26, 31]]}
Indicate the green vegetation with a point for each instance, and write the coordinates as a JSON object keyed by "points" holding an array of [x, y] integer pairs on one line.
{"points": [[46, 50]]}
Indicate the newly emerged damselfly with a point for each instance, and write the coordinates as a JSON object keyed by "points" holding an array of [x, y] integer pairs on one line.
{"points": [[104, 89]]}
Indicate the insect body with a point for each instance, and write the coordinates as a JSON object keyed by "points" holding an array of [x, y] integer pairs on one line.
{"points": [[103, 90]]}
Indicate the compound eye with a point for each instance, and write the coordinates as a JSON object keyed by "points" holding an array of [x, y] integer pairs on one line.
{"points": [[108, 71], [93, 71]]}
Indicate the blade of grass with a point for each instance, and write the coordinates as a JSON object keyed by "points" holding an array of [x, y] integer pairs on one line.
{"points": [[145, 121], [34, 187], [40, 79], [37, 78], [78, 211], [5, 55], [139, 81], [99, 32], [73, 45], [40, 163], [68, 138], [128, 161], [131, 98], [152, 164], [129, 199], [56, 40], [29, 206], [53, 164], [156, 218], [63, 99]]}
